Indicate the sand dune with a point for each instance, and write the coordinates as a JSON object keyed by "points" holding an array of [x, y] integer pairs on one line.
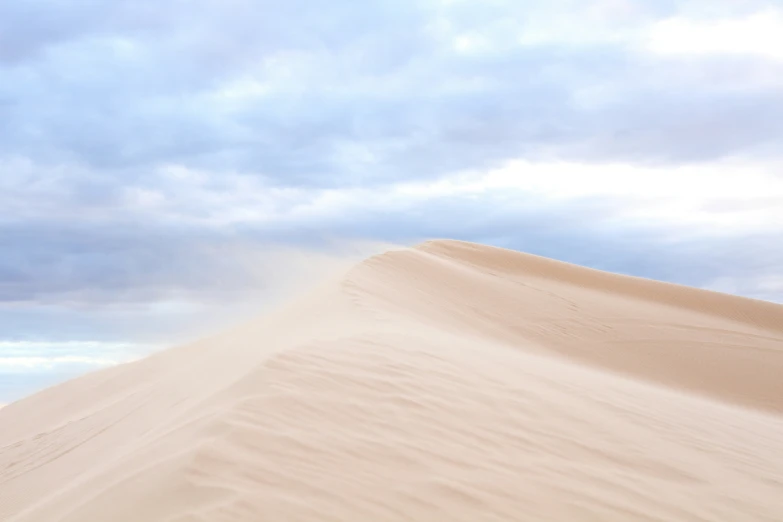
{"points": [[448, 382]]}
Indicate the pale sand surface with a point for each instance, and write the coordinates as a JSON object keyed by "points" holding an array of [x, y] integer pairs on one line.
{"points": [[449, 382]]}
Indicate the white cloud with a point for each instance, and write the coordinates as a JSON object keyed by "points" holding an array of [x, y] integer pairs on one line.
{"points": [[759, 34], [503, 26], [26, 364], [711, 198], [43, 357], [720, 197]]}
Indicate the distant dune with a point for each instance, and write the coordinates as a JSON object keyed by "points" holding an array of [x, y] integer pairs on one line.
{"points": [[447, 382]]}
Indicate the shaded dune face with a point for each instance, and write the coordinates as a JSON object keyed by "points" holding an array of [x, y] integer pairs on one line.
{"points": [[451, 381]]}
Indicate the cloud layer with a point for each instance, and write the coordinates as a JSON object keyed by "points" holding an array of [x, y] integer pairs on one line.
{"points": [[155, 157]]}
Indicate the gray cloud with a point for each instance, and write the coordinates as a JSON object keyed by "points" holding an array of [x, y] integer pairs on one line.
{"points": [[130, 264], [360, 94], [127, 265]]}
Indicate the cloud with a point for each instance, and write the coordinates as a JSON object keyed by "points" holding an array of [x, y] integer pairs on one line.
{"points": [[758, 33], [208, 246], [371, 94], [137, 265], [164, 165], [47, 363], [28, 366]]}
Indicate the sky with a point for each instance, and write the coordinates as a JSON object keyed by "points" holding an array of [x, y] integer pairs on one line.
{"points": [[169, 167]]}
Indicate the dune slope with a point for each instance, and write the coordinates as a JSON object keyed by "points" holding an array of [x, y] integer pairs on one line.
{"points": [[450, 381]]}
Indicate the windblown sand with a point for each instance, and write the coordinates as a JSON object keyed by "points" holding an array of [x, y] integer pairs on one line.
{"points": [[448, 382]]}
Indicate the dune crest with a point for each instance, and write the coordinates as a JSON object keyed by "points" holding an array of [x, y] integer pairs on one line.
{"points": [[450, 381]]}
